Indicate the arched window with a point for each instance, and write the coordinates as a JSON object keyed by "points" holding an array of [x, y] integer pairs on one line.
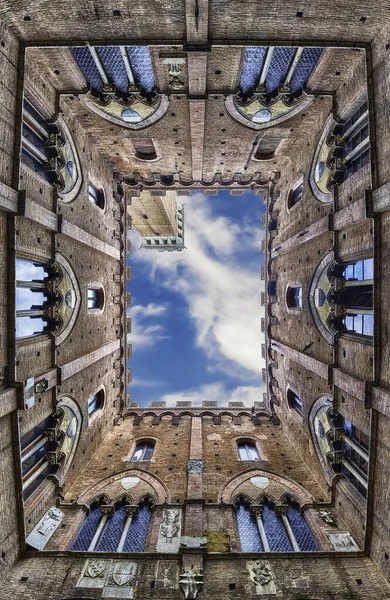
{"points": [[33, 298], [295, 195], [115, 528], [247, 450], [96, 196], [95, 403], [294, 401], [356, 151], [247, 528], [95, 298], [271, 528], [35, 465], [144, 149], [143, 451], [354, 296], [355, 456], [294, 297]]}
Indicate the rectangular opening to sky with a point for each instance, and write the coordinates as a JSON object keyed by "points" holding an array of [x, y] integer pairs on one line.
{"points": [[196, 314]]}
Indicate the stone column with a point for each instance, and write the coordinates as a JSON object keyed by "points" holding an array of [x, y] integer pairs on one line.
{"points": [[131, 511], [257, 511], [281, 510]]}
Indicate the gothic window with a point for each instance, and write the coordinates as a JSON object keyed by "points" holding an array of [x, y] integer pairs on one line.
{"points": [[294, 297], [295, 195], [294, 401], [356, 141], [143, 451], [272, 528], [35, 135], [95, 403], [354, 296], [144, 149], [355, 456], [33, 298], [88, 529], [96, 196], [95, 298], [247, 450], [247, 528], [35, 465], [301, 530], [115, 528]]}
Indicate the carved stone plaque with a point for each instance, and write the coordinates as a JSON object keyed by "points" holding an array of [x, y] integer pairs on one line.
{"points": [[342, 541], [94, 573], [261, 577], [169, 533], [122, 580], [167, 576], [43, 531]]}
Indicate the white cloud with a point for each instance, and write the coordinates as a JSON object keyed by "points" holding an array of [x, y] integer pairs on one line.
{"points": [[222, 293], [217, 392], [144, 333]]}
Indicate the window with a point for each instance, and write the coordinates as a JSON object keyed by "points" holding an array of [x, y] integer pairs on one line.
{"points": [[96, 403], [32, 299], [294, 401], [354, 297], [143, 451], [268, 528], [360, 323], [355, 457], [356, 152], [111, 521], [294, 297], [361, 270], [247, 451], [96, 196], [144, 149], [95, 298], [295, 196]]}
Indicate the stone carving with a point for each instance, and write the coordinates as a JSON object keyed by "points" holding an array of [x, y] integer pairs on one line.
{"points": [[342, 541], [191, 582], [43, 531], [169, 534], [195, 466], [167, 574], [193, 541], [175, 70], [122, 580], [261, 576], [94, 573], [326, 516]]}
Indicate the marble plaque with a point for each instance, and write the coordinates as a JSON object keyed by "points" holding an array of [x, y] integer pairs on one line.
{"points": [[169, 532], [261, 577], [260, 482], [94, 573], [42, 532], [193, 541], [342, 541]]}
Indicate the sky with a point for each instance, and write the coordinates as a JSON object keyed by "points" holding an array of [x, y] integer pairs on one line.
{"points": [[196, 314]]}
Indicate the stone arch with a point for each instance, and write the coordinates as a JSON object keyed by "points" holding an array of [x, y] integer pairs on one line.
{"points": [[112, 109], [69, 406], [162, 492], [279, 110], [321, 405], [229, 490]]}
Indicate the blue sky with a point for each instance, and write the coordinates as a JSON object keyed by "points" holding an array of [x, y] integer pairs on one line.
{"points": [[196, 314]]}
